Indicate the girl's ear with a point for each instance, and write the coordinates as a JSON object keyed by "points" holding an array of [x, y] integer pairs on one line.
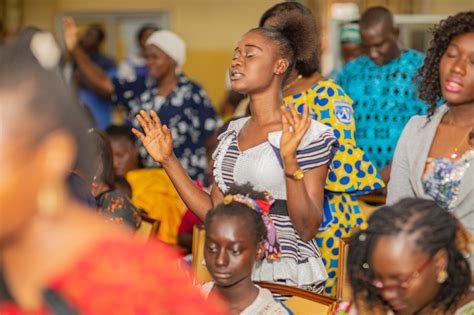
{"points": [[281, 66], [260, 251]]}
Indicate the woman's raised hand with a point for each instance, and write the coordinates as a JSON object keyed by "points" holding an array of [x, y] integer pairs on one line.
{"points": [[71, 33], [157, 138], [294, 129]]}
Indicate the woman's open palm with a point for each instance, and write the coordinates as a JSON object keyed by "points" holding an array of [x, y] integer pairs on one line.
{"points": [[294, 128], [157, 138]]}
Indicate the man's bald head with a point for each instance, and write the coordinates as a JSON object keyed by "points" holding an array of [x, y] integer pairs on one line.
{"points": [[376, 15], [379, 35]]}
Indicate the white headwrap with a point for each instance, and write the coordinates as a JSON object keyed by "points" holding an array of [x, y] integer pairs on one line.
{"points": [[172, 45]]}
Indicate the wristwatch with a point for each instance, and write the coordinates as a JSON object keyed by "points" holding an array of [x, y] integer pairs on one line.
{"points": [[297, 175]]}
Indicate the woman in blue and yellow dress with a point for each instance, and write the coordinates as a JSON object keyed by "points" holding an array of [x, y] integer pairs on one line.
{"points": [[351, 172]]}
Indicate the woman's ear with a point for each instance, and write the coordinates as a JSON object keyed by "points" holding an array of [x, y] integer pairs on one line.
{"points": [[58, 152], [281, 66], [441, 260], [260, 251]]}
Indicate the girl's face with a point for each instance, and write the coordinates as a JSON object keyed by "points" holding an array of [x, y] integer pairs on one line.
{"points": [[256, 64], [456, 70], [230, 250], [405, 276], [125, 155]]}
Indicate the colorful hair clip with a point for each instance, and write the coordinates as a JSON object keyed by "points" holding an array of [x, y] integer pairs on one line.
{"points": [[272, 245]]}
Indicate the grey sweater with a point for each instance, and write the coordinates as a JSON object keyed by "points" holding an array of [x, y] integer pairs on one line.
{"points": [[409, 163]]}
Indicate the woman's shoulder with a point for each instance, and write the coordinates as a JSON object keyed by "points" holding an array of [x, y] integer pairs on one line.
{"points": [[316, 132], [419, 123], [466, 305], [114, 198], [185, 81], [234, 126]]}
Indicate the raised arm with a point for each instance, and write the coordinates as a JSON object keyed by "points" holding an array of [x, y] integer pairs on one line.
{"points": [[95, 75], [305, 198], [158, 142]]}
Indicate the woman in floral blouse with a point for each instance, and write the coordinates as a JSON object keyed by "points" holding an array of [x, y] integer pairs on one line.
{"points": [[181, 103]]}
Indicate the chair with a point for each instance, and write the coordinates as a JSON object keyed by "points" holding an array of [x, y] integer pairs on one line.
{"points": [[369, 203], [343, 292], [302, 302], [199, 268], [149, 227]]}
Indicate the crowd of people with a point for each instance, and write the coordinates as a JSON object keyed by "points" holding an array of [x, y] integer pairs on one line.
{"points": [[276, 186]]}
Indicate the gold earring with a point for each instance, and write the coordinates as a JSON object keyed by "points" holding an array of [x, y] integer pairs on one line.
{"points": [[442, 276], [49, 202]]}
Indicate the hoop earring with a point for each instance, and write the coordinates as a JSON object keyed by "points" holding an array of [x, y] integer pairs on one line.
{"points": [[442, 276]]}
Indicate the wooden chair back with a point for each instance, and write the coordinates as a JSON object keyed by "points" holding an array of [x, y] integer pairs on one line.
{"points": [[198, 267], [301, 301], [343, 292], [148, 228]]}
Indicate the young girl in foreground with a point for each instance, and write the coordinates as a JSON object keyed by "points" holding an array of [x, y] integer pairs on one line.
{"points": [[238, 234]]}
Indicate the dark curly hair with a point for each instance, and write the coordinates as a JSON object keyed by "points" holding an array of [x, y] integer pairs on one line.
{"points": [[432, 229], [253, 220], [307, 33], [427, 77]]}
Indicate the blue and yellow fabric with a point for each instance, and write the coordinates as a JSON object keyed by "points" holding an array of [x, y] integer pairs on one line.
{"points": [[351, 172]]}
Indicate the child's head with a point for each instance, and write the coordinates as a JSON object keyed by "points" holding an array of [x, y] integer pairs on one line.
{"points": [[235, 237], [124, 149]]}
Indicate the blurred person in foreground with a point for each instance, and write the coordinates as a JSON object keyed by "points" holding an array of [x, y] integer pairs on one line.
{"points": [[57, 257]]}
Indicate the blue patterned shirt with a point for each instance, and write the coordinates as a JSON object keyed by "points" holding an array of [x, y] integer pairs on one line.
{"points": [[187, 112], [384, 100]]}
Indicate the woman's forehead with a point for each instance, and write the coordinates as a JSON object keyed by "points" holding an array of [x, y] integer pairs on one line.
{"points": [[396, 250], [253, 38]]}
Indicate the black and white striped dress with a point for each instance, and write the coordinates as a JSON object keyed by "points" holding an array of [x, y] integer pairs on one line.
{"points": [[261, 166]]}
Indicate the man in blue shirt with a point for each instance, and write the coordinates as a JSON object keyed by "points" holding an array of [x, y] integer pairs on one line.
{"points": [[381, 85]]}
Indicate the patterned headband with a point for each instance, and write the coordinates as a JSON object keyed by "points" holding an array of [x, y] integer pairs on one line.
{"points": [[272, 245]]}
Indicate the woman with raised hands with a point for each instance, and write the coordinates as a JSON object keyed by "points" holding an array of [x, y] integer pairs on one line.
{"points": [[275, 149]]}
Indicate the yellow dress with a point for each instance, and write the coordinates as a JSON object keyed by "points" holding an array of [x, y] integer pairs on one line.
{"points": [[351, 172], [153, 192]]}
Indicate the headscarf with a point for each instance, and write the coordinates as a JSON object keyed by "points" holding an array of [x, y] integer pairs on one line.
{"points": [[171, 44]]}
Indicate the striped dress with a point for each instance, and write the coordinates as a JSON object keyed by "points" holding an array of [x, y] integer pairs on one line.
{"points": [[261, 166]]}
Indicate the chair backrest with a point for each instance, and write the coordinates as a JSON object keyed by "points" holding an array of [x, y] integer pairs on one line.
{"points": [[148, 228], [369, 203], [343, 292], [302, 301], [199, 268]]}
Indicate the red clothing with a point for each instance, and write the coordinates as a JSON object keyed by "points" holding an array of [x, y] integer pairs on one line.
{"points": [[188, 222], [123, 277]]}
